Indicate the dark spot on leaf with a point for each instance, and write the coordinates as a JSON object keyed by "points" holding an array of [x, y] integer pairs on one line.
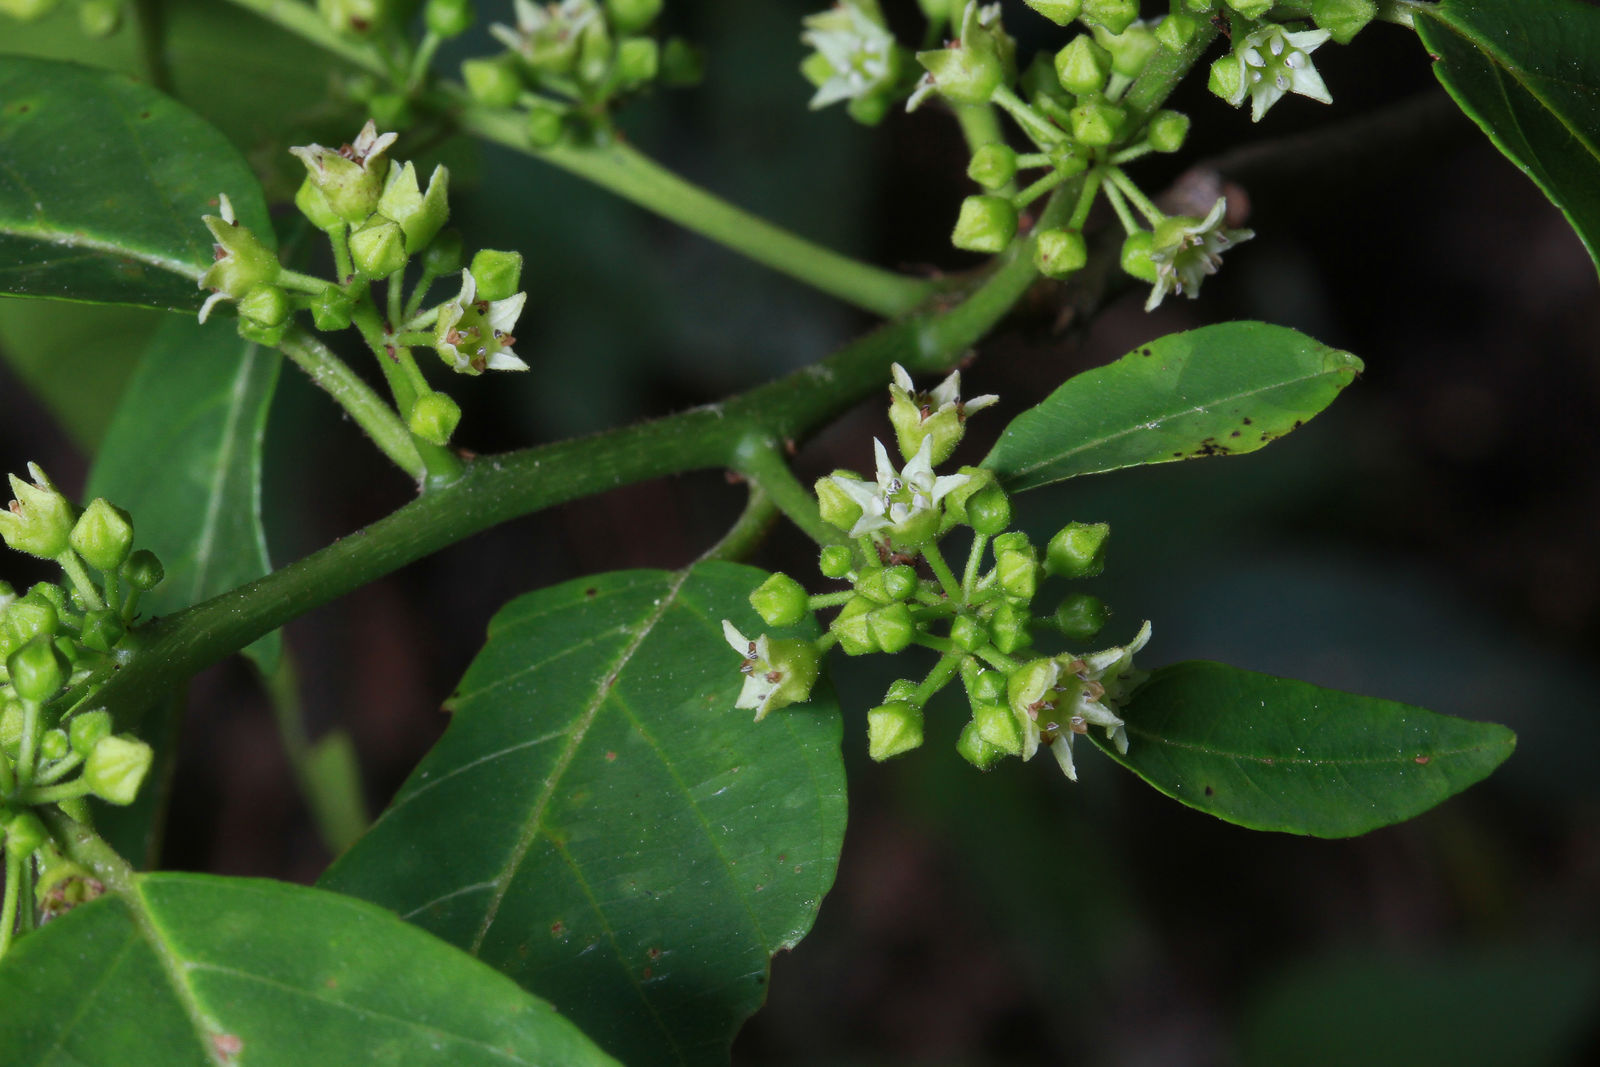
{"points": [[1297, 424], [761, 979], [144, 114], [1247, 420], [1145, 352], [557, 927], [1423, 760], [1268, 762], [611, 757], [654, 953], [1236, 433], [759, 888], [1210, 791], [23, 109], [646, 974], [783, 857], [591, 591], [332, 983], [1177, 455]]}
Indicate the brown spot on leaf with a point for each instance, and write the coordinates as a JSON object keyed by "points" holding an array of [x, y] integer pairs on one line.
{"points": [[1423, 760], [611, 757], [1210, 792], [654, 953], [557, 928], [591, 591]]}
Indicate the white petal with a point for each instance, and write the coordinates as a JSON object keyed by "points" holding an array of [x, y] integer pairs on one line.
{"points": [[225, 208], [947, 391], [505, 359], [1061, 748], [978, 403], [740, 643], [901, 378], [211, 302], [1308, 40], [886, 471], [919, 472], [503, 314], [1307, 82], [469, 288], [947, 483]]}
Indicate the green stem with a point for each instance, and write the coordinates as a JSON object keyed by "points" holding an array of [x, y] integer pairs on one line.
{"points": [[941, 570], [947, 667], [1040, 130], [994, 658], [59, 769], [8, 906], [304, 283], [394, 290], [419, 62], [86, 589], [151, 25], [1130, 224], [761, 460], [343, 266], [28, 746], [367, 408], [979, 125], [8, 778], [83, 846], [53, 794], [829, 600], [1038, 189], [1161, 76], [1080, 212], [330, 807], [304, 20], [625, 171], [969, 575], [1118, 179], [748, 529], [495, 489], [440, 465]]}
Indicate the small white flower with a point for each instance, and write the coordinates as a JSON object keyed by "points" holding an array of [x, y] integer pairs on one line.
{"points": [[1275, 62], [366, 149], [474, 335], [776, 673], [1186, 250], [546, 26], [858, 50], [946, 396], [898, 496], [1108, 678]]}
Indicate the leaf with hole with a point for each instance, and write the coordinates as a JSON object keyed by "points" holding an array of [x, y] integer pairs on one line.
{"points": [[600, 823], [193, 969], [1274, 754], [1220, 390]]}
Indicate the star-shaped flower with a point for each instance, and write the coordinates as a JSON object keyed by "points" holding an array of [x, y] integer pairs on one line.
{"points": [[777, 673], [1107, 679], [548, 35], [899, 498], [473, 335], [350, 177], [856, 52], [938, 416], [241, 261], [1187, 249], [1276, 62]]}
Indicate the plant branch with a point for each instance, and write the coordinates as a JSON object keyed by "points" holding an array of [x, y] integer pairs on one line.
{"points": [[747, 530], [332, 375], [304, 21]]}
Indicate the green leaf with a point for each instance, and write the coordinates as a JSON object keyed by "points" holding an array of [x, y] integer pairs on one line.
{"points": [[1528, 73], [183, 457], [1217, 391], [103, 185], [192, 969], [600, 823], [1273, 754]]}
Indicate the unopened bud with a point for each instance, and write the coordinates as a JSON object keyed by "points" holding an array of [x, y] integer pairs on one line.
{"points": [[24, 834], [1082, 65], [1059, 12], [144, 570], [39, 520], [116, 768], [1176, 31], [448, 18], [838, 508], [378, 248], [1343, 19], [497, 274], [1167, 130], [1078, 550], [102, 630], [434, 418], [1081, 616], [1059, 253], [975, 750], [968, 634], [103, 535], [893, 729], [1130, 49], [638, 61], [836, 561], [964, 75], [998, 727], [87, 729], [99, 18], [1008, 627], [546, 124], [1097, 123], [631, 16], [1251, 9], [53, 745], [495, 82], [892, 628], [851, 627], [38, 670], [1135, 257], [264, 305], [986, 224], [993, 165], [331, 309], [682, 64], [1114, 15], [780, 600]]}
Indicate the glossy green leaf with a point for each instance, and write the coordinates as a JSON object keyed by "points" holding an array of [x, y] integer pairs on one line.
{"points": [[183, 457], [1273, 754], [1528, 73], [193, 969], [103, 186], [600, 823], [1220, 390]]}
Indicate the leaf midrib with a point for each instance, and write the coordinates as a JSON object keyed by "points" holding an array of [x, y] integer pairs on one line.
{"points": [[1303, 761]]}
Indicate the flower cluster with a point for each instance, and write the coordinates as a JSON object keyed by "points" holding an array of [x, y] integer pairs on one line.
{"points": [[56, 643], [983, 623]]}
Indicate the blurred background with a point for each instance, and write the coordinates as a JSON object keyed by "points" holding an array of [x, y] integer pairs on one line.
{"points": [[1430, 539]]}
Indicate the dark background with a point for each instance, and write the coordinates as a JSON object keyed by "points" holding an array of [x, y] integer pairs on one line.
{"points": [[1430, 539]]}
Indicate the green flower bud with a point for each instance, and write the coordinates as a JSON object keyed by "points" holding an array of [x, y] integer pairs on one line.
{"points": [[331, 309], [892, 628], [546, 124], [12, 720], [1059, 253], [975, 750], [1097, 123], [99, 18], [1176, 31], [852, 627], [24, 834], [838, 508], [448, 18], [1008, 627], [144, 570], [1031, 687], [314, 206], [989, 510], [497, 273], [1167, 130], [53, 745], [350, 178], [984, 685], [103, 535], [986, 224], [39, 521], [631, 16], [265, 305], [968, 634], [1017, 570], [964, 75], [420, 215], [1081, 616], [25, 619], [836, 561], [38, 670], [1130, 49], [87, 729], [434, 418], [1251, 9], [1201, 7], [899, 581], [390, 109], [780, 600], [1343, 19], [998, 727], [495, 82], [1082, 65], [869, 109], [638, 61], [1227, 79], [1070, 159], [682, 65], [993, 165], [27, 10], [1059, 12], [1136, 255], [893, 729], [1114, 15], [1078, 550], [443, 255], [116, 768], [378, 248], [101, 631], [955, 502]]}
